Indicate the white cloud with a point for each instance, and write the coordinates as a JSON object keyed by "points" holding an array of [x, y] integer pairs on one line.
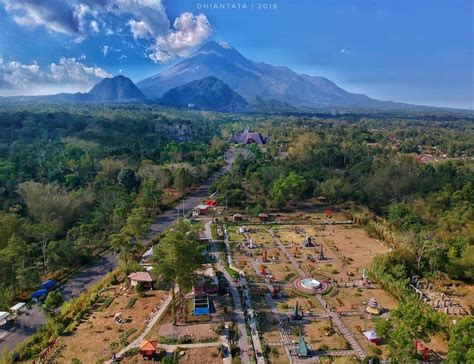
{"points": [[94, 26], [146, 19], [55, 15], [105, 49], [67, 75], [344, 51], [72, 71], [188, 31]]}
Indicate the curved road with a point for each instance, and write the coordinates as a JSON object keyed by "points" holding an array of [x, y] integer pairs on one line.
{"points": [[27, 323]]}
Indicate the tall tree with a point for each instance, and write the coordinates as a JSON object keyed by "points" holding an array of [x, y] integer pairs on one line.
{"points": [[176, 258]]}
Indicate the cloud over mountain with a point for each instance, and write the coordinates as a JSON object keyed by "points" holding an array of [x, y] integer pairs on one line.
{"points": [[66, 73], [145, 19]]}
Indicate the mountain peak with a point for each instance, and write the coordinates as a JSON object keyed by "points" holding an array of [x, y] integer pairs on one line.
{"points": [[118, 88], [220, 48], [208, 93]]}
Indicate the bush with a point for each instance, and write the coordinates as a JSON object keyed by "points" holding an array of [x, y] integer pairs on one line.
{"points": [[131, 352]]}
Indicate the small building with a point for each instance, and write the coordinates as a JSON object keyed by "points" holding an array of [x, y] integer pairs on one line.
{"points": [[263, 217], [18, 308], [372, 337], [200, 210], [201, 305], [143, 278], [147, 349], [4, 316], [322, 199], [237, 217], [248, 137]]}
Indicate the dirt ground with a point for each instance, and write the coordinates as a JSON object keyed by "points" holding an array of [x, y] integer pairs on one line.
{"points": [[198, 332], [315, 335], [208, 355], [98, 332], [359, 298]]}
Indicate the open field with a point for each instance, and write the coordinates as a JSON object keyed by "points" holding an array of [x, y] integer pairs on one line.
{"points": [[208, 355], [101, 335], [347, 249]]}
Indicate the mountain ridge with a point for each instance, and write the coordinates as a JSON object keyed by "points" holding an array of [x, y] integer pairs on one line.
{"points": [[258, 79], [110, 89]]}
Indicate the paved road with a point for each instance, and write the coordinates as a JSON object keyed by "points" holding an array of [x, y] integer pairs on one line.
{"points": [[238, 310], [26, 324]]}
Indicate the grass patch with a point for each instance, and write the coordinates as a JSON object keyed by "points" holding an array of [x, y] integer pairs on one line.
{"points": [[234, 274], [131, 302], [107, 302]]}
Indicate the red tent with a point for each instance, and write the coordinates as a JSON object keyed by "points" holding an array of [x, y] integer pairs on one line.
{"points": [[211, 203]]}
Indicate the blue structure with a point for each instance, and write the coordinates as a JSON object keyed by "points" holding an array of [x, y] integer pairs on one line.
{"points": [[302, 347], [49, 284], [201, 305], [39, 295]]}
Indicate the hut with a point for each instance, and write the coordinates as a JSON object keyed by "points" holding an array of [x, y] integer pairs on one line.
{"points": [[200, 210], [237, 217], [322, 199], [143, 278], [263, 217], [147, 349], [372, 337], [373, 307]]}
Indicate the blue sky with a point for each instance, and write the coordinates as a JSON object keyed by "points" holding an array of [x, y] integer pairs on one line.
{"points": [[417, 51]]}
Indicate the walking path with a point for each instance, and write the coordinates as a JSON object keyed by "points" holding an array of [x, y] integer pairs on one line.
{"points": [[342, 328], [135, 343], [288, 255], [238, 309], [333, 315]]}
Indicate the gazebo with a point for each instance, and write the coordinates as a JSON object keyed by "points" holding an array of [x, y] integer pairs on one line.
{"points": [[147, 349], [237, 217], [263, 217], [142, 278], [373, 307]]}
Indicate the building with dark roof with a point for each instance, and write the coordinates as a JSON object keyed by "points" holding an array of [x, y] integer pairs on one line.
{"points": [[248, 137]]}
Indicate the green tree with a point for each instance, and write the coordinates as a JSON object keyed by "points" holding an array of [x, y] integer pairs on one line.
{"points": [[150, 195], [176, 258], [461, 342], [286, 189], [128, 180], [183, 179]]}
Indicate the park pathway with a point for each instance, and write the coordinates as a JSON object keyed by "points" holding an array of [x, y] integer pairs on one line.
{"points": [[342, 328], [238, 308], [333, 315], [287, 254]]}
